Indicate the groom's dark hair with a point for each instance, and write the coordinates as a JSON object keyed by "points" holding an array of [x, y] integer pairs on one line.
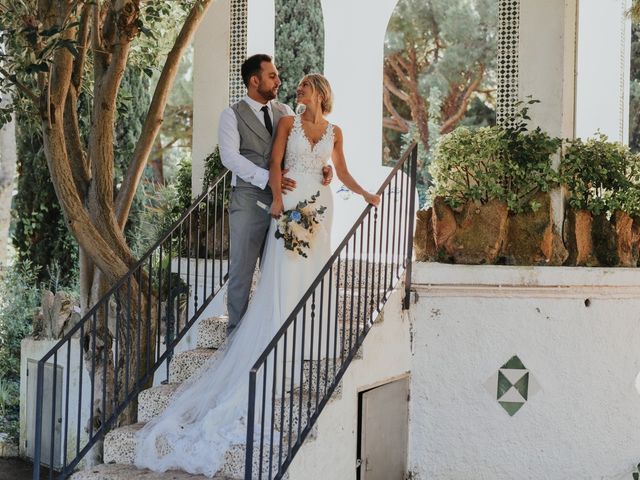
{"points": [[252, 66]]}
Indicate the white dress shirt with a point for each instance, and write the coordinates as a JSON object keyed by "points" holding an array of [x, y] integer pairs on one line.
{"points": [[229, 140]]}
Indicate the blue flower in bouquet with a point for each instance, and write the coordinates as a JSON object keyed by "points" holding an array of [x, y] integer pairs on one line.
{"points": [[298, 225]]}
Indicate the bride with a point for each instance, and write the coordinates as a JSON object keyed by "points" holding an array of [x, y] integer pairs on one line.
{"points": [[207, 415]]}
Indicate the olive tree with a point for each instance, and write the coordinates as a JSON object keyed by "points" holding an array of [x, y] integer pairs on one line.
{"points": [[57, 51]]}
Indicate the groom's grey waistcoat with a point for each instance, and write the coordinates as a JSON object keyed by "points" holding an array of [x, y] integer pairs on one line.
{"points": [[248, 223], [255, 140]]}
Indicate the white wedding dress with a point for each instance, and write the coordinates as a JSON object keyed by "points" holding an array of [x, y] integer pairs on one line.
{"points": [[207, 415]]}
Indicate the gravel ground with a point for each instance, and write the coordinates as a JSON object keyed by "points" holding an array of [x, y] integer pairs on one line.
{"points": [[15, 468]]}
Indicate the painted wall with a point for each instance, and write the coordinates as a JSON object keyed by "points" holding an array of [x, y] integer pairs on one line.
{"points": [[575, 331], [602, 84]]}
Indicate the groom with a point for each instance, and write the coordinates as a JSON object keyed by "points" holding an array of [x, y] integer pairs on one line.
{"points": [[246, 130]]}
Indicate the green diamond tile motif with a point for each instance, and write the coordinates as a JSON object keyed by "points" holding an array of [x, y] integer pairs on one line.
{"points": [[512, 385]]}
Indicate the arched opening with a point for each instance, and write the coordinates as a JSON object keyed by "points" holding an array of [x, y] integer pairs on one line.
{"points": [[439, 73]]}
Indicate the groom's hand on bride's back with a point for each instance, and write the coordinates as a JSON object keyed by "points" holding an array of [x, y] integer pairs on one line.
{"points": [[287, 183], [327, 175]]}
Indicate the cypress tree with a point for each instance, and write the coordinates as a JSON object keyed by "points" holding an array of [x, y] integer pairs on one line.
{"points": [[299, 43]]}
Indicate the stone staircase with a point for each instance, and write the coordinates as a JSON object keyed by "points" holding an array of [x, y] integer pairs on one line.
{"points": [[120, 443]]}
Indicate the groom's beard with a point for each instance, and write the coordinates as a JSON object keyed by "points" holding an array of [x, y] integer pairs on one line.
{"points": [[268, 94]]}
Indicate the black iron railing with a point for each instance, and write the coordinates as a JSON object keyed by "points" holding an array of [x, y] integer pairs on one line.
{"points": [[114, 351], [300, 369]]}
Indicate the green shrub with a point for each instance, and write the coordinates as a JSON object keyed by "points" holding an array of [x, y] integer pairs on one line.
{"points": [[507, 164], [601, 176], [19, 300]]}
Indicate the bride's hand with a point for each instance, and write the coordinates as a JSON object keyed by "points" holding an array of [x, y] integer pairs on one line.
{"points": [[277, 207], [372, 198]]}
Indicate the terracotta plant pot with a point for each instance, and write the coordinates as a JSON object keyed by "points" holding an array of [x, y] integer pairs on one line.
{"points": [[578, 237], [627, 239], [532, 238], [423, 242], [474, 235]]}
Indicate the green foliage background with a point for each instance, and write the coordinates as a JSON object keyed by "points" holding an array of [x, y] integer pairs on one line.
{"points": [[299, 43], [452, 40], [19, 299]]}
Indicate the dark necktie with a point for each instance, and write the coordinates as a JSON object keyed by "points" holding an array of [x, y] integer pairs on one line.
{"points": [[267, 119]]}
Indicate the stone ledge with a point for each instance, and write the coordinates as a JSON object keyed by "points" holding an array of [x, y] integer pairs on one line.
{"points": [[428, 274]]}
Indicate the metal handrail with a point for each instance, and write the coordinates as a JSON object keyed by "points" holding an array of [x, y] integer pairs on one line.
{"points": [[273, 379], [150, 296]]}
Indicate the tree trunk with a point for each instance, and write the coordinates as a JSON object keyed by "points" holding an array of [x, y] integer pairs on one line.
{"points": [[83, 178], [7, 175]]}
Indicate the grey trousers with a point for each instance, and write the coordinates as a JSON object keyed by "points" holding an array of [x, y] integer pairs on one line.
{"points": [[248, 226]]}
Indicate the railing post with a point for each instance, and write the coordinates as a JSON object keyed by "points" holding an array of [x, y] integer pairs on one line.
{"points": [[412, 214], [38, 437], [251, 413]]}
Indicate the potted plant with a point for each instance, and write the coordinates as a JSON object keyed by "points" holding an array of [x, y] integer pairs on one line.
{"points": [[602, 179], [490, 196]]}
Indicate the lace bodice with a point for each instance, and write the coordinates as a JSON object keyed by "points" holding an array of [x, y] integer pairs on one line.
{"points": [[303, 157]]}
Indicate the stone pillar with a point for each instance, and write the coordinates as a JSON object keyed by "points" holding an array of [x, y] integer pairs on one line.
{"points": [[603, 63], [354, 54], [546, 63], [211, 63], [261, 27]]}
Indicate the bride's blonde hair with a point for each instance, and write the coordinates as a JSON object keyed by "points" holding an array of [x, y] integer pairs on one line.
{"points": [[321, 86]]}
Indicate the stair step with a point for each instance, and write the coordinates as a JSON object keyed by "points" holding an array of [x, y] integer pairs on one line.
{"points": [[212, 332], [185, 364], [120, 447], [282, 408], [357, 273], [130, 472], [316, 375], [344, 306], [234, 462], [120, 444], [153, 401]]}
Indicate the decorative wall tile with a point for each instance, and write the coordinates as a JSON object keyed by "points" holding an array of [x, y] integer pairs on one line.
{"points": [[507, 65], [512, 385], [237, 49]]}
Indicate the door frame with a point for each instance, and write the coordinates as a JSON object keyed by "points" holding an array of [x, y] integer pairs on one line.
{"points": [[361, 391]]}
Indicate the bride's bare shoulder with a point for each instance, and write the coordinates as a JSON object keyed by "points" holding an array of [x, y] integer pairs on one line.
{"points": [[285, 124], [287, 120]]}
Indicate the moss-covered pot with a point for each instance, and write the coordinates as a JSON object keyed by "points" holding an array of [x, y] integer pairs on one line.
{"points": [[474, 235]]}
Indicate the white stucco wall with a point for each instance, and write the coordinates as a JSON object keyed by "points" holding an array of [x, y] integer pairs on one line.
{"points": [[602, 84], [469, 320]]}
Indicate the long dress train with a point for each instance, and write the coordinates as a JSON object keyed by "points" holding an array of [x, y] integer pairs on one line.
{"points": [[207, 415]]}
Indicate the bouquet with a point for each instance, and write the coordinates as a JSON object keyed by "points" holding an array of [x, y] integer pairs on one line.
{"points": [[298, 225]]}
